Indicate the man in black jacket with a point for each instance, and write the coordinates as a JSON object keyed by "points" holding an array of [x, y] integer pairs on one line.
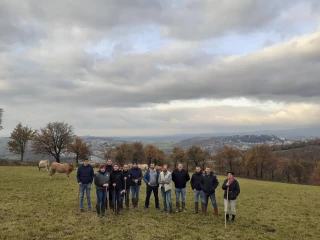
{"points": [[209, 183], [127, 182], [136, 176], [85, 176], [232, 185], [196, 187], [117, 187], [180, 177], [109, 169]]}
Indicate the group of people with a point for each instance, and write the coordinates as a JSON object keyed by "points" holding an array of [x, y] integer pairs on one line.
{"points": [[116, 185]]}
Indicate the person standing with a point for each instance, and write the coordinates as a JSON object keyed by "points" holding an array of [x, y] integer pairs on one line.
{"points": [[209, 183], [180, 177], [85, 176], [136, 176], [165, 186], [196, 188], [233, 186], [127, 183], [109, 169], [117, 187], [151, 178], [101, 180]]}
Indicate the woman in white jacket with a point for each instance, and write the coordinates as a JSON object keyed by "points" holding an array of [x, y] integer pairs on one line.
{"points": [[165, 179]]}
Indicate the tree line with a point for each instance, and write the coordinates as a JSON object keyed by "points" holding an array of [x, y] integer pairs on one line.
{"points": [[293, 163]]}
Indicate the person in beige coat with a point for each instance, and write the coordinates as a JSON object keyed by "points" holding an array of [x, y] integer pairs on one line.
{"points": [[165, 179]]}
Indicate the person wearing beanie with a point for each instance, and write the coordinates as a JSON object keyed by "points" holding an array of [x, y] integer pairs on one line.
{"points": [[233, 186], [101, 180], [135, 176], [196, 188]]}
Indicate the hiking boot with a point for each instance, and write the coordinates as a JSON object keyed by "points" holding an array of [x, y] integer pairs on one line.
{"points": [[233, 218], [127, 204], [178, 207], [204, 209], [118, 210], [196, 207], [170, 212], [133, 202], [227, 217], [216, 211], [81, 210], [184, 207], [137, 202], [103, 210], [98, 211]]}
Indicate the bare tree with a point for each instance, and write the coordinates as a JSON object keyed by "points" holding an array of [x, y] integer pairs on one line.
{"points": [[53, 139], [20, 137]]}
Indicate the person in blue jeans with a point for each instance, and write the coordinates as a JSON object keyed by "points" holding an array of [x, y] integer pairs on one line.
{"points": [[151, 178], [209, 183], [180, 177], [101, 180], [196, 188], [135, 176], [85, 177], [165, 185]]}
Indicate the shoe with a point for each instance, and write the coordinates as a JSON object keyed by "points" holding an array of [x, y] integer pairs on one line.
{"points": [[227, 217], [196, 207], [103, 210], [216, 212], [184, 207], [178, 207], [170, 212], [81, 210], [158, 208], [233, 217], [98, 211]]}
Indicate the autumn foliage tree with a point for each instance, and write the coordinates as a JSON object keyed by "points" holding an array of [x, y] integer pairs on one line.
{"points": [[315, 177], [153, 154], [19, 139], [197, 156], [79, 148], [53, 139], [123, 153], [178, 155], [228, 159], [138, 153], [258, 159]]}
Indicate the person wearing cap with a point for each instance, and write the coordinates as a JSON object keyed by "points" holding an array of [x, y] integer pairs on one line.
{"points": [[232, 185], [127, 182], [101, 180], [85, 175], [135, 176]]}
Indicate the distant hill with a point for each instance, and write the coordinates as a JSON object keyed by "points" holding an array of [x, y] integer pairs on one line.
{"points": [[242, 142]]}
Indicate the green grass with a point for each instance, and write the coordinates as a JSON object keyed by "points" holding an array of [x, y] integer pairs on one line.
{"points": [[34, 207]]}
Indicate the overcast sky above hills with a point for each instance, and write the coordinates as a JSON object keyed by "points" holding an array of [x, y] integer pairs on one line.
{"points": [[142, 67]]}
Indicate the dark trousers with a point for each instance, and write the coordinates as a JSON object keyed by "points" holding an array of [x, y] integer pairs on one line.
{"points": [[151, 189], [116, 197]]}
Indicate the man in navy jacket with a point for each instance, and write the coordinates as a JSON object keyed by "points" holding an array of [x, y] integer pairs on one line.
{"points": [[85, 177]]}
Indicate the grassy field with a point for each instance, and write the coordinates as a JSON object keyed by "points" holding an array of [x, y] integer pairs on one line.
{"points": [[34, 207]]}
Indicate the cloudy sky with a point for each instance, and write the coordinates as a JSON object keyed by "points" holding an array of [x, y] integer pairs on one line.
{"points": [[157, 67]]}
